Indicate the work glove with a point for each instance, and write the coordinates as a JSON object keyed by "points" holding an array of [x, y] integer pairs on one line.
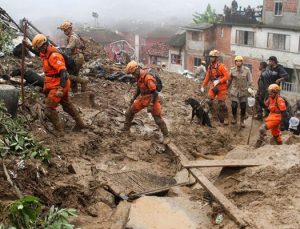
{"points": [[26, 43], [216, 82], [59, 93], [251, 91], [202, 89], [150, 108]]}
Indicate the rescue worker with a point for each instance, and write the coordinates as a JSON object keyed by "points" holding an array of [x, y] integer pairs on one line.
{"points": [[278, 73], [241, 85], [146, 96], [56, 83], [201, 71], [75, 48], [263, 83], [277, 107], [217, 76]]}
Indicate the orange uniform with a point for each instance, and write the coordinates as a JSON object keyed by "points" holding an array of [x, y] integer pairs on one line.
{"points": [[217, 71], [276, 106], [146, 84], [53, 63]]}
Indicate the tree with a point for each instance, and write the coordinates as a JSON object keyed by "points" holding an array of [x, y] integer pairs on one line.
{"points": [[209, 16], [6, 36]]}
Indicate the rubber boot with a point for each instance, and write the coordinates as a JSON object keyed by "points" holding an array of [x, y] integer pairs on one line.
{"points": [[278, 139], [242, 121], [72, 111], [83, 83], [223, 113], [52, 115], [74, 83], [164, 129], [234, 119], [262, 133], [129, 115]]}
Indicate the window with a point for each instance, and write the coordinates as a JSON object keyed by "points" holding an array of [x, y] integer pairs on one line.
{"points": [[278, 9], [244, 37], [197, 61], [195, 36], [279, 41], [175, 59]]}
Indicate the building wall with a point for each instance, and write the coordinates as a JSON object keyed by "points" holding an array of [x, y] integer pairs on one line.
{"points": [[196, 49], [290, 13], [260, 49], [223, 38], [176, 67]]}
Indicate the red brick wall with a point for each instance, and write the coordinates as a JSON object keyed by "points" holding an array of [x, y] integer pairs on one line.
{"points": [[288, 5], [223, 43]]}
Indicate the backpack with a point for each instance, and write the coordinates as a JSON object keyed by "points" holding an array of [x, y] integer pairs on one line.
{"points": [[69, 61], [159, 84], [289, 110]]}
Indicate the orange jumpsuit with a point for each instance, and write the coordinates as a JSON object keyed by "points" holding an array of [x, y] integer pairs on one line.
{"points": [[53, 62], [276, 106], [217, 71], [146, 84]]}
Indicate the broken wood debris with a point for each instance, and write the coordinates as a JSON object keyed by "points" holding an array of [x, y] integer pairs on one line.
{"points": [[228, 206], [221, 163], [158, 191]]}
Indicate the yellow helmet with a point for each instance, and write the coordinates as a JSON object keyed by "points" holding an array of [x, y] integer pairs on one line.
{"points": [[39, 40], [131, 67], [65, 25], [214, 53], [274, 88], [238, 58]]}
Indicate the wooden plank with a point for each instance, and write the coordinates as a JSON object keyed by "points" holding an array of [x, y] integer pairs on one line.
{"points": [[229, 207], [221, 163]]}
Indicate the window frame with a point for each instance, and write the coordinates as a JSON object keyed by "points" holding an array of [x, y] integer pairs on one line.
{"points": [[177, 61], [244, 32], [281, 12], [197, 60], [274, 41]]}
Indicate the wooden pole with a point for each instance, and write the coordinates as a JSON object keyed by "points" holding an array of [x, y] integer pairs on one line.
{"points": [[248, 140], [24, 22]]}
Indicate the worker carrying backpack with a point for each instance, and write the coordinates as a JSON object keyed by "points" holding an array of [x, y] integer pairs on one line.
{"points": [[69, 61], [159, 84]]}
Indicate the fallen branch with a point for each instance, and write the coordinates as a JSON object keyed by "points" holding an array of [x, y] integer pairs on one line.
{"points": [[17, 190]]}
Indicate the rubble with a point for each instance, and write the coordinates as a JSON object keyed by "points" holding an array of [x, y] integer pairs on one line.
{"points": [[84, 171]]}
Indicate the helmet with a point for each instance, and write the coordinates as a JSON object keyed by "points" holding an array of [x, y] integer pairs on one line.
{"points": [[39, 40], [65, 25], [203, 62], [238, 58], [214, 53], [131, 67], [274, 88]]}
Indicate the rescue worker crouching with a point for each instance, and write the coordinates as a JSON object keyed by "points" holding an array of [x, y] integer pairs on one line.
{"points": [[241, 85], [56, 83], [145, 96], [277, 108], [75, 48], [217, 76]]}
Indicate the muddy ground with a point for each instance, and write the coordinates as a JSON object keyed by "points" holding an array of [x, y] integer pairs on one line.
{"points": [[95, 169]]}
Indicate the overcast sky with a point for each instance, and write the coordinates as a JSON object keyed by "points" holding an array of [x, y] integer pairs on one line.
{"points": [[111, 10]]}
